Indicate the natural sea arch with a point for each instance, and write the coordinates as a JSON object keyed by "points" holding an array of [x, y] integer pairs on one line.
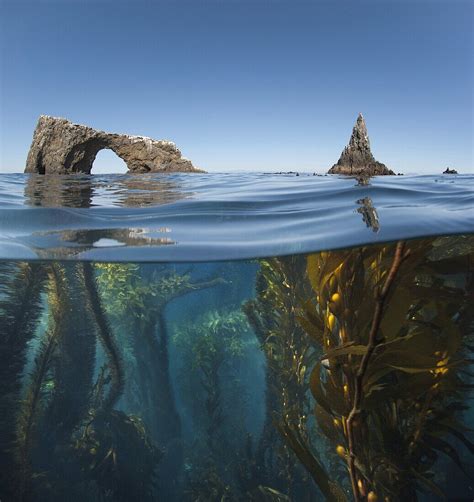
{"points": [[62, 147]]}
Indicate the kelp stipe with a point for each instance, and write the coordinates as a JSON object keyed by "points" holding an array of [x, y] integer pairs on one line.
{"points": [[20, 310], [391, 383], [63, 431], [136, 298], [73, 366], [36, 392], [273, 315], [106, 336], [211, 348], [138, 302], [67, 403]]}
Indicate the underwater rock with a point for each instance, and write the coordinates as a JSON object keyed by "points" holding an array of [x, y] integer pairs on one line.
{"points": [[61, 147], [357, 158], [450, 171]]}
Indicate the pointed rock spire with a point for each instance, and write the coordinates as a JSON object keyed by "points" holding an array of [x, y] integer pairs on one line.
{"points": [[357, 158]]}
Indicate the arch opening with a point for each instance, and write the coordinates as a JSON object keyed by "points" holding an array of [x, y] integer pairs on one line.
{"points": [[108, 162]]}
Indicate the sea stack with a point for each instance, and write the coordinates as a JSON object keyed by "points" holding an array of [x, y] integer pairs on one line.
{"points": [[61, 147], [357, 158]]}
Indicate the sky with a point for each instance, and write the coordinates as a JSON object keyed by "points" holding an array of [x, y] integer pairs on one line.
{"points": [[245, 85]]}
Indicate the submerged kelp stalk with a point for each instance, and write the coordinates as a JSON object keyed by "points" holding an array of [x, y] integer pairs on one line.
{"points": [[20, 309], [30, 409], [74, 366], [106, 336], [138, 302], [273, 315], [380, 298]]}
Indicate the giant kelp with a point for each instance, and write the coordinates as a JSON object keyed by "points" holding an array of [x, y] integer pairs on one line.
{"points": [[391, 383], [55, 409], [136, 298], [36, 394], [211, 350], [20, 309], [138, 301], [104, 331], [286, 440]]}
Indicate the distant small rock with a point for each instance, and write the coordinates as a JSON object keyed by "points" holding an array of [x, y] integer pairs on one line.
{"points": [[357, 158], [450, 171], [296, 173]]}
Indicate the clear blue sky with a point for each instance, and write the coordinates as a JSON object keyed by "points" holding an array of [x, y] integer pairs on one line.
{"points": [[246, 85]]}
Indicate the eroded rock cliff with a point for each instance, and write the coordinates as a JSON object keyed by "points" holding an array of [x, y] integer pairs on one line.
{"points": [[357, 158], [61, 147]]}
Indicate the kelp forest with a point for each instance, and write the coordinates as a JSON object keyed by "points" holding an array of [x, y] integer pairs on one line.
{"points": [[342, 375]]}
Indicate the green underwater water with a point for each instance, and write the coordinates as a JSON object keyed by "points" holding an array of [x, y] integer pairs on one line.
{"points": [[338, 375]]}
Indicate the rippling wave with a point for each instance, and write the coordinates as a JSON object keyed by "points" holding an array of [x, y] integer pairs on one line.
{"points": [[204, 217]]}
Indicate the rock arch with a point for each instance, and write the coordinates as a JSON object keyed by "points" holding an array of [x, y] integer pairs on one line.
{"points": [[61, 147]]}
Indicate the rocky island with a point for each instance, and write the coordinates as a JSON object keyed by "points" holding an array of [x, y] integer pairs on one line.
{"points": [[61, 147], [450, 171], [356, 158]]}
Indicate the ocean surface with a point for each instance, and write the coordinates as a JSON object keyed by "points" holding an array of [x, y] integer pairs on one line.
{"points": [[236, 338], [204, 217]]}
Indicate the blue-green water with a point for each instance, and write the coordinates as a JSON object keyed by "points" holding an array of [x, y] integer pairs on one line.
{"points": [[241, 338]]}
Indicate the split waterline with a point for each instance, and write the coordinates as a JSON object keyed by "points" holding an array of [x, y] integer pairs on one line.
{"points": [[237, 337]]}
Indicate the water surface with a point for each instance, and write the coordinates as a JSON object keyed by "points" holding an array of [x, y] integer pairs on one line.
{"points": [[204, 217]]}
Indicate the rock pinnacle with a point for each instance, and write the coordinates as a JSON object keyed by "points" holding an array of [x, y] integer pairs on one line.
{"points": [[357, 158]]}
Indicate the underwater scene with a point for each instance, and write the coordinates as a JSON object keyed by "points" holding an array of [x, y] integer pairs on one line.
{"points": [[335, 375]]}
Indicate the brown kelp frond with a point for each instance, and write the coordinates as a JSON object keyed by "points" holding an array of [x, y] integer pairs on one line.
{"points": [[106, 336], [125, 290], [20, 309], [273, 314], [381, 296], [214, 331], [216, 340], [21, 304], [75, 358], [394, 344], [30, 408], [136, 297]]}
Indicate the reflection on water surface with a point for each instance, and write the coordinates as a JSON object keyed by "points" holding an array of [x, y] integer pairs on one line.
{"points": [[80, 191], [222, 216]]}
